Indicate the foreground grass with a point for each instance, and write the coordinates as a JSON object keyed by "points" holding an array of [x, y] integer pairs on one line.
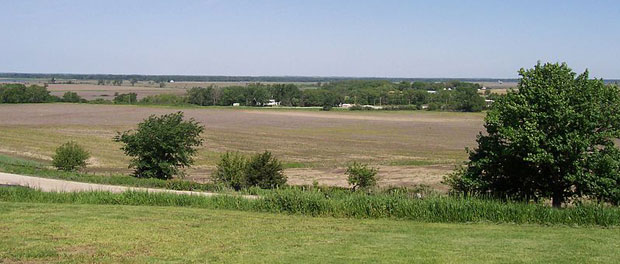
{"points": [[340, 204], [33, 232]]}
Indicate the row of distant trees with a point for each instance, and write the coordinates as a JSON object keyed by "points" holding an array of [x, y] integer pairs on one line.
{"points": [[457, 96], [454, 96], [215, 78]]}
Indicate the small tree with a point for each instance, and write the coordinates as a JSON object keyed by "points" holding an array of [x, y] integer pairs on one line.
{"points": [[551, 138], [161, 145], [361, 176], [71, 97], [70, 157], [265, 171], [231, 170]]}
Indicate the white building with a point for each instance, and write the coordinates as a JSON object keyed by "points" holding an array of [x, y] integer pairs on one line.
{"points": [[272, 102]]}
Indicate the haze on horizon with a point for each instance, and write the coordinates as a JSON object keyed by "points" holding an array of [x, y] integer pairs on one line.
{"points": [[417, 39]]}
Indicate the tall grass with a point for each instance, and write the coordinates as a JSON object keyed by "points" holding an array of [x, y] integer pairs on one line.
{"points": [[353, 205]]}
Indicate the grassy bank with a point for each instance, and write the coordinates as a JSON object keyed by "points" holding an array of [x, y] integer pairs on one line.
{"points": [[116, 233], [33, 168], [340, 204]]}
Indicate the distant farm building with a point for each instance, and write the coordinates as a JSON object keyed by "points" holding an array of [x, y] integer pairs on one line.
{"points": [[272, 102]]}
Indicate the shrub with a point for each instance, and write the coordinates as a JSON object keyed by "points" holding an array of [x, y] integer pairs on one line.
{"points": [[433, 106], [163, 99], [70, 157], [265, 171], [231, 170], [71, 97], [128, 98], [19, 93], [361, 176], [100, 101], [201, 96], [161, 145]]}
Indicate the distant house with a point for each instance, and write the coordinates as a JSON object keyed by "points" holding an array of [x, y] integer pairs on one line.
{"points": [[272, 102]]}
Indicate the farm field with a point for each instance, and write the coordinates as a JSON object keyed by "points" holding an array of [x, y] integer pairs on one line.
{"points": [[409, 147], [114, 233], [89, 90], [93, 91]]}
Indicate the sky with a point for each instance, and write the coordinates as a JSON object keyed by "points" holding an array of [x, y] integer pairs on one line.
{"points": [[414, 39]]}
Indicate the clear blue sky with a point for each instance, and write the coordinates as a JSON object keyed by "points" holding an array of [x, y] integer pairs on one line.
{"points": [[309, 38]]}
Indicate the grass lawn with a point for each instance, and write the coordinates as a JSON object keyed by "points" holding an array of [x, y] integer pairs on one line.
{"points": [[31, 232]]}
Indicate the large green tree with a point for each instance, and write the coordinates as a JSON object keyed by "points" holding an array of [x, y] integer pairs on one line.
{"points": [[161, 145], [551, 138]]}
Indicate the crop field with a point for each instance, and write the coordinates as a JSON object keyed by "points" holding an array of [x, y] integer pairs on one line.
{"points": [[409, 147], [89, 90], [115, 233], [92, 91]]}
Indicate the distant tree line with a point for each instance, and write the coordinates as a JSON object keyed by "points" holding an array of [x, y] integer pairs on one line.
{"points": [[452, 96], [456, 96], [19, 93], [220, 78]]}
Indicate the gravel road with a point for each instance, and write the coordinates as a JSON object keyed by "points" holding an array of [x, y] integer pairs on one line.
{"points": [[53, 185]]}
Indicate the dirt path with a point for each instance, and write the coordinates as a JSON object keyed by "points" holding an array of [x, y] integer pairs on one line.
{"points": [[53, 185]]}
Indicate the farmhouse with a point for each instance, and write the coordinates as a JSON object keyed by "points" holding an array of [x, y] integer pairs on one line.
{"points": [[272, 102]]}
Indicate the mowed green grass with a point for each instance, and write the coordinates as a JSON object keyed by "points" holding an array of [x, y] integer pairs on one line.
{"points": [[31, 232]]}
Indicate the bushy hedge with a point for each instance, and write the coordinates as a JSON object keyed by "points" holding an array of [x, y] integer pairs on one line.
{"points": [[163, 99], [19, 93], [262, 170], [70, 156]]}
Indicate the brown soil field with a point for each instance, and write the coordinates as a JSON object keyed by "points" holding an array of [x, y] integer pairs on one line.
{"points": [[92, 91], [409, 147]]}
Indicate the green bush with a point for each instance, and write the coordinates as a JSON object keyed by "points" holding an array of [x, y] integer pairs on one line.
{"points": [[163, 99], [265, 171], [361, 176], [162, 145], [201, 96], [231, 170], [126, 98], [70, 157], [19, 93], [71, 97]]}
